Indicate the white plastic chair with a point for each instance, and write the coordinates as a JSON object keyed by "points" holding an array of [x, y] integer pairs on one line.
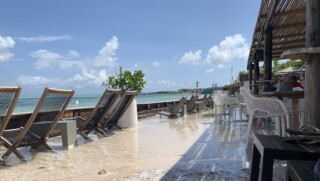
{"points": [[217, 101], [222, 102], [232, 103], [243, 107], [264, 107]]}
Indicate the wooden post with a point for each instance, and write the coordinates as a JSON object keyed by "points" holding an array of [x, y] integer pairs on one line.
{"points": [[312, 72], [268, 55], [258, 57], [250, 75]]}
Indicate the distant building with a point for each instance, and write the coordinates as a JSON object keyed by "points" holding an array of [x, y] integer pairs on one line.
{"points": [[210, 90]]}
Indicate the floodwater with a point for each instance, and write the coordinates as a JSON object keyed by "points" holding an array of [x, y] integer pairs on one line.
{"points": [[194, 147]]}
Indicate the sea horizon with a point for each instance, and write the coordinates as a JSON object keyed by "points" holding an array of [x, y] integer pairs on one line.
{"points": [[28, 103]]}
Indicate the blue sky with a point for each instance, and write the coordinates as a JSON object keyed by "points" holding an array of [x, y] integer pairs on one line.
{"points": [[78, 44]]}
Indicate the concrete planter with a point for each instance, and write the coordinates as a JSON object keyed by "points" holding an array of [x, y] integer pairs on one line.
{"points": [[130, 117]]}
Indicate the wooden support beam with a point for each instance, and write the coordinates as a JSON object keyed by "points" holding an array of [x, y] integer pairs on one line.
{"points": [[271, 12], [284, 48], [258, 57], [278, 42], [268, 55], [286, 36], [270, 15], [312, 72], [289, 36], [250, 75], [287, 13], [295, 42], [296, 26]]}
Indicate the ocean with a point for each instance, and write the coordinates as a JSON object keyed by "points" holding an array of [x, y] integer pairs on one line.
{"points": [[27, 104]]}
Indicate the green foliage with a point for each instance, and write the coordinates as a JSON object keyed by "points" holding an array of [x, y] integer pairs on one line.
{"points": [[126, 80], [280, 66], [243, 75]]}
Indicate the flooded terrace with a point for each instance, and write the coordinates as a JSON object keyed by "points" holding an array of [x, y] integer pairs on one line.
{"points": [[198, 146]]}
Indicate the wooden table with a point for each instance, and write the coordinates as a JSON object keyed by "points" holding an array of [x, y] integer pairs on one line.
{"points": [[268, 148], [300, 170], [294, 96]]}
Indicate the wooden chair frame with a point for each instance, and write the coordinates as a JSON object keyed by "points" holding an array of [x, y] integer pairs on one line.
{"points": [[191, 104], [118, 111], [22, 131], [16, 92], [88, 124], [175, 110]]}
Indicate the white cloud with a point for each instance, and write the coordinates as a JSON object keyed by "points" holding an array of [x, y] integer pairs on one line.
{"points": [[6, 43], [156, 64], [83, 79], [35, 80], [232, 47], [221, 66], [43, 38], [89, 77], [73, 53], [209, 70], [107, 55], [45, 54], [47, 59], [87, 71], [166, 83], [191, 57]]}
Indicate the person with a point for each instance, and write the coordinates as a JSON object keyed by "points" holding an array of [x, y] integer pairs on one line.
{"points": [[284, 84], [294, 82], [302, 79]]}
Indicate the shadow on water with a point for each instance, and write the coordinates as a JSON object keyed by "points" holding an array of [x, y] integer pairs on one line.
{"points": [[219, 154]]}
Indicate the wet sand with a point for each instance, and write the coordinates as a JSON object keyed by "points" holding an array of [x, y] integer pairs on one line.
{"points": [[195, 147]]}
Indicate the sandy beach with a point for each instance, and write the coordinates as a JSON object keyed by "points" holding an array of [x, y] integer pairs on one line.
{"points": [[194, 147]]}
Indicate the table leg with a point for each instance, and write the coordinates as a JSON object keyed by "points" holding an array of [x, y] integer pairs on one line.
{"points": [[266, 168], [278, 125], [255, 163], [295, 113], [240, 114]]}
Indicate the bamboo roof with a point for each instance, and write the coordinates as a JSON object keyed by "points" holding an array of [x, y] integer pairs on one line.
{"points": [[288, 19]]}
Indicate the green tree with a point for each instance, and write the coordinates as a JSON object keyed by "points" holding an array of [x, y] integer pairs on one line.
{"points": [[126, 80], [279, 66]]}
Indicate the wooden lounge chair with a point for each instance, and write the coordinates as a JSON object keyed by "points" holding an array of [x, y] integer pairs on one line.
{"points": [[207, 100], [191, 104], [210, 101], [204, 98], [35, 132], [203, 103], [8, 100], [175, 109], [118, 110], [98, 114]]}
